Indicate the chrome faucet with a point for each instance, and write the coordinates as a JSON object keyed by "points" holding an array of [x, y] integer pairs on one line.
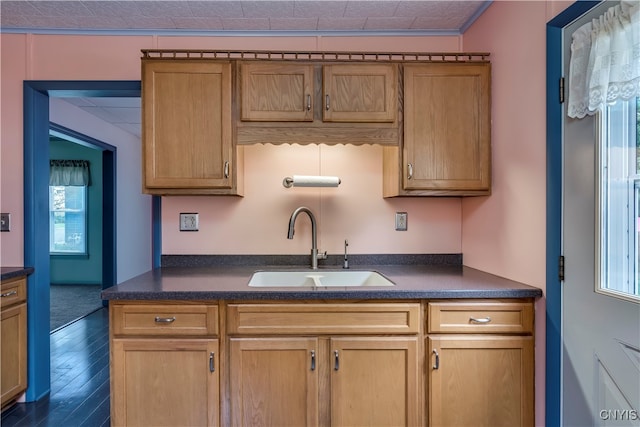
{"points": [[315, 256]]}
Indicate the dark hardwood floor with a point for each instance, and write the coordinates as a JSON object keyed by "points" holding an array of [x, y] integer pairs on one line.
{"points": [[79, 379]]}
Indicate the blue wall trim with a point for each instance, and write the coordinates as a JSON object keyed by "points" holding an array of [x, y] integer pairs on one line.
{"points": [[156, 231], [36, 210], [554, 209]]}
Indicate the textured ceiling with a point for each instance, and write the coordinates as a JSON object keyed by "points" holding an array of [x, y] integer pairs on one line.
{"points": [[158, 17]]}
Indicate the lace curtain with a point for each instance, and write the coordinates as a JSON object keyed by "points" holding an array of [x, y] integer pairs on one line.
{"points": [[605, 60], [69, 172]]}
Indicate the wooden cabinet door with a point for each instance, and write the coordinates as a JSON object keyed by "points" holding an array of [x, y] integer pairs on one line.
{"points": [[187, 133], [13, 348], [447, 128], [360, 93], [273, 381], [480, 380], [276, 92], [164, 382], [375, 381]]}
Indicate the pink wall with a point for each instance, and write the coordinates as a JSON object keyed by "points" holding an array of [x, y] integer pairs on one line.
{"points": [[504, 234]]}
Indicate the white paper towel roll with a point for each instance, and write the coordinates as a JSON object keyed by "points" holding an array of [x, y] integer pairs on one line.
{"points": [[311, 181]]}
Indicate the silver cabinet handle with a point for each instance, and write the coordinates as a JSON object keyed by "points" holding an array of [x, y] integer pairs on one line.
{"points": [[481, 320], [326, 102], [9, 294], [409, 171], [336, 356], [437, 364], [308, 102], [159, 319], [226, 169], [212, 362], [313, 360]]}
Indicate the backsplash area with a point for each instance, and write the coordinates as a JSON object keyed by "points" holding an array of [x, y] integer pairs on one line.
{"points": [[257, 223]]}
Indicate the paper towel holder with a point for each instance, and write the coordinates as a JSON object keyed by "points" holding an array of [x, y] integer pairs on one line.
{"points": [[312, 181]]}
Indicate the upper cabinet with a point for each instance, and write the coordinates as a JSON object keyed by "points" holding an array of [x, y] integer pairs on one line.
{"points": [[276, 92], [446, 148], [315, 102], [360, 93], [430, 112], [187, 128]]}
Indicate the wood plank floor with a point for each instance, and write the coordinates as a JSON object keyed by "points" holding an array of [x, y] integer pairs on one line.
{"points": [[79, 379]]}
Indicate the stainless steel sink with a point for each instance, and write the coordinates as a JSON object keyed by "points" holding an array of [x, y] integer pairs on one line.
{"points": [[318, 278]]}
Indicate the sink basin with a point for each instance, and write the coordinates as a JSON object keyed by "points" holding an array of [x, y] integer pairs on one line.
{"points": [[318, 278]]}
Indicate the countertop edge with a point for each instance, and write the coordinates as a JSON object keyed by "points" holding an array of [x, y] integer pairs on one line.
{"points": [[13, 272]]}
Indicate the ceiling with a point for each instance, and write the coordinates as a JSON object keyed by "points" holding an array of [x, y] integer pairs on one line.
{"points": [[160, 17], [229, 17]]}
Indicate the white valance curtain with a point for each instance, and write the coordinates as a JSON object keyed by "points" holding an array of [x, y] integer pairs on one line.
{"points": [[73, 173], [605, 60]]}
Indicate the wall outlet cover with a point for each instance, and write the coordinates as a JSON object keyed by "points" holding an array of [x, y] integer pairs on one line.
{"points": [[401, 221], [189, 222]]}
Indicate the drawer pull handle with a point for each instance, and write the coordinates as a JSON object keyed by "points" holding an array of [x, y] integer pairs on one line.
{"points": [[481, 321], [226, 170], [308, 102], [9, 294], [336, 356], [313, 360], [326, 102], [409, 171], [437, 364], [212, 362], [165, 319]]}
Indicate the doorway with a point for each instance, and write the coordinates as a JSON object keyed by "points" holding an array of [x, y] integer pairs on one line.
{"points": [[135, 257], [76, 225]]}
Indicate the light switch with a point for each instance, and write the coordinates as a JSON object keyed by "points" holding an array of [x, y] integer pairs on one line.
{"points": [[5, 221]]}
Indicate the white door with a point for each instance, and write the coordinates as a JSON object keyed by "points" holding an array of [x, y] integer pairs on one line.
{"points": [[600, 331]]}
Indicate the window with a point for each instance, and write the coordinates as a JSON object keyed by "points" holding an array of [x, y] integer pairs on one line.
{"points": [[68, 220], [618, 216]]}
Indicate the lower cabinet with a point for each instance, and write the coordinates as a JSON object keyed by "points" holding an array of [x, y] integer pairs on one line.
{"points": [[165, 364], [13, 339], [480, 363], [165, 382], [338, 381], [322, 363]]}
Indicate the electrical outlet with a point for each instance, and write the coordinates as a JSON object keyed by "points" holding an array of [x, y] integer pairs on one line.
{"points": [[188, 222], [401, 221], [5, 221]]}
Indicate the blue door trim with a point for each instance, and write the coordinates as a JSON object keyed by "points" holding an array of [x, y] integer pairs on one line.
{"points": [[36, 210], [554, 208]]}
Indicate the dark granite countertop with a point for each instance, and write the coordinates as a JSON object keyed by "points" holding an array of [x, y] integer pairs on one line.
{"points": [[7, 273], [231, 283]]}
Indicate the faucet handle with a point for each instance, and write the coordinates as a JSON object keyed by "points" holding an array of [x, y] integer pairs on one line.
{"points": [[322, 255]]}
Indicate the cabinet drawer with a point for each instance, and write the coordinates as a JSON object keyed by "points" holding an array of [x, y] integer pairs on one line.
{"points": [[392, 318], [164, 319], [13, 292], [480, 317]]}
